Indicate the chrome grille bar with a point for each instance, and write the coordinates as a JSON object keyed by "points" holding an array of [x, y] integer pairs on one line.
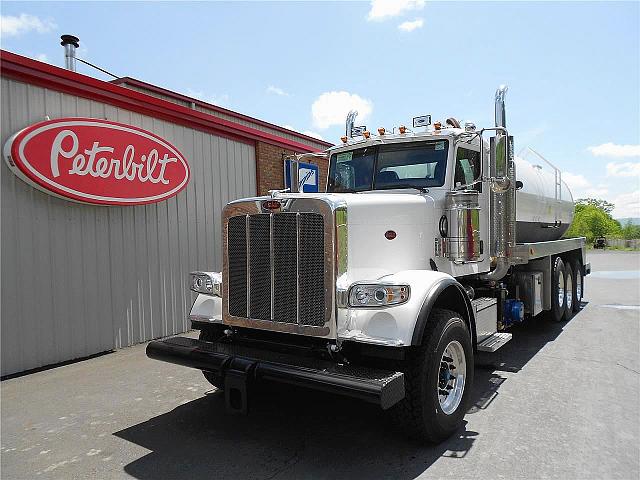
{"points": [[298, 268], [271, 261]]}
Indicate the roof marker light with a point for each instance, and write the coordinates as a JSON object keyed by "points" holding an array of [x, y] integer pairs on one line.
{"points": [[402, 129], [366, 134], [344, 139], [381, 131]]}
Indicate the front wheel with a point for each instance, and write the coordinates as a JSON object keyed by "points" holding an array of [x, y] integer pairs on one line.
{"points": [[438, 379]]}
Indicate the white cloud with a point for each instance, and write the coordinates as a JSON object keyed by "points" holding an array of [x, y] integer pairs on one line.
{"points": [[220, 100], [581, 187], [42, 57], [613, 150], [308, 133], [277, 91], [575, 181], [12, 26], [384, 9], [625, 169], [627, 205], [331, 108], [411, 26]]}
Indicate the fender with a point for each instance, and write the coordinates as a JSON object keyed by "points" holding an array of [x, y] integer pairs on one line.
{"points": [[459, 297]]}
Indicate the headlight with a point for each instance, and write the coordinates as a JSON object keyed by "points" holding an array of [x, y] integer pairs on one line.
{"points": [[209, 283], [377, 295]]}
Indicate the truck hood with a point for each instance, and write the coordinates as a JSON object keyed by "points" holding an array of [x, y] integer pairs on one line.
{"points": [[387, 232]]}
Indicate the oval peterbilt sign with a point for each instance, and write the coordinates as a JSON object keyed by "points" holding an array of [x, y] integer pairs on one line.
{"points": [[97, 161]]}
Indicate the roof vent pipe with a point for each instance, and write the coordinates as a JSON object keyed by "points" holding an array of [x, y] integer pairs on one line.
{"points": [[70, 43]]}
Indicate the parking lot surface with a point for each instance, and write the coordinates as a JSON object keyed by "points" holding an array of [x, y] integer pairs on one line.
{"points": [[558, 401]]}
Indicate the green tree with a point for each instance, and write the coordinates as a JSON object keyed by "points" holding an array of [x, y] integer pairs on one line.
{"points": [[603, 205], [592, 219], [630, 230]]}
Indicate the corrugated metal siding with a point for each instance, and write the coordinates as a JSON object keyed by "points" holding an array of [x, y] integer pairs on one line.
{"points": [[80, 279]]}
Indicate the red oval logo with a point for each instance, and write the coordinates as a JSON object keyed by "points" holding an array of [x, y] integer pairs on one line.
{"points": [[390, 234], [97, 161], [271, 204]]}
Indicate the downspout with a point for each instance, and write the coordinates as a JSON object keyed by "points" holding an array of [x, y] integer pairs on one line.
{"points": [[502, 197]]}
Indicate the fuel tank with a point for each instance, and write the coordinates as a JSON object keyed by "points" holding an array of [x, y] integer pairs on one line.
{"points": [[544, 204]]}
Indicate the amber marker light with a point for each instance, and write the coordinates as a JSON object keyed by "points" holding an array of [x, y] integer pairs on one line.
{"points": [[344, 139], [366, 134], [437, 125], [402, 129], [381, 131]]}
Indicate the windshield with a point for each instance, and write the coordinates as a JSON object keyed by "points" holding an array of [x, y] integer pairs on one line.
{"points": [[382, 167]]}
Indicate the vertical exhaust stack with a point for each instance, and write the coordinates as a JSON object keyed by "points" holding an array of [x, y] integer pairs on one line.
{"points": [[70, 43], [351, 119], [503, 203]]}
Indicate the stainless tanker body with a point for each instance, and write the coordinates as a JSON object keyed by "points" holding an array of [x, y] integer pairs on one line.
{"points": [[544, 205]]}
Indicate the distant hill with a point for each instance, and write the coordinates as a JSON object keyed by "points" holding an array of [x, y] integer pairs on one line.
{"points": [[634, 220]]}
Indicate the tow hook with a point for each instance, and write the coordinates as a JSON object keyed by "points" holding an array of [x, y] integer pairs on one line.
{"points": [[335, 353], [237, 385]]}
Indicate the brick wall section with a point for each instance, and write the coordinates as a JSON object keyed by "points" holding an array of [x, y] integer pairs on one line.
{"points": [[270, 168]]}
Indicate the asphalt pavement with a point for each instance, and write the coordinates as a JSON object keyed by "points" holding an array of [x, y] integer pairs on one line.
{"points": [[558, 401]]}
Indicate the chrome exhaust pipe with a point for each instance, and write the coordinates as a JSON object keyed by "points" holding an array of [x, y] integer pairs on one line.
{"points": [[500, 116], [351, 119], [503, 204]]}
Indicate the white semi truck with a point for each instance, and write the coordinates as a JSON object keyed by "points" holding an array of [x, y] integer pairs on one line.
{"points": [[428, 245]]}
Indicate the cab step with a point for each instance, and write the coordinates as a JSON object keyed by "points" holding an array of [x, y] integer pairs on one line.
{"points": [[494, 342]]}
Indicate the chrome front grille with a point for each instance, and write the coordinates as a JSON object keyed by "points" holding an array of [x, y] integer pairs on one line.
{"points": [[276, 267]]}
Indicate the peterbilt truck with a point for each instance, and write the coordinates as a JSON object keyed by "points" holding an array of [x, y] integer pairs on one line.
{"points": [[427, 246]]}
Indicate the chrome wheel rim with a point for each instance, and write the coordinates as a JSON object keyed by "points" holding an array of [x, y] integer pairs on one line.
{"points": [[451, 378], [560, 289], [578, 287], [569, 293]]}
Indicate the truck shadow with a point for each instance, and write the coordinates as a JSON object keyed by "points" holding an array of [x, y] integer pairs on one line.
{"points": [[294, 433]]}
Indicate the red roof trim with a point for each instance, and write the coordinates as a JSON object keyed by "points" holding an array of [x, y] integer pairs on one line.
{"points": [[178, 96], [59, 79]]}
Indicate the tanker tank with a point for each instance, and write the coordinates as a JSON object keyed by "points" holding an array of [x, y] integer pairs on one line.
{"points": [[544, 204]]}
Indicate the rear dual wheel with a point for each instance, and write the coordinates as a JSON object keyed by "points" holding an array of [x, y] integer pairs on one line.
{"points": [[558, 290], [566, 290]]}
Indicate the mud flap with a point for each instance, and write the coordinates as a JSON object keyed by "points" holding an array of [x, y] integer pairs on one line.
{"points": [[237, 382]]}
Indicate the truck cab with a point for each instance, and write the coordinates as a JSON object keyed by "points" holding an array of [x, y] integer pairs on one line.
{"points": [[385, 286]]}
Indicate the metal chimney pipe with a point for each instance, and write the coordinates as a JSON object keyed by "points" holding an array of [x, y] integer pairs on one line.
{"points": [[70, 43]]}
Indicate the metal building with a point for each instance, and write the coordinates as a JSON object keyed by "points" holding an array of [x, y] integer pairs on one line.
{"points": [[79, 279]]}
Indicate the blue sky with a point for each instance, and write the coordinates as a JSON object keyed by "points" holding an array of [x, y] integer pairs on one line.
{"points": [[573, 68]]}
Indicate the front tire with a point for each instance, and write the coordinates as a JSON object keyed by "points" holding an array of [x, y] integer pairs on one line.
{"points": [[438, 379]]}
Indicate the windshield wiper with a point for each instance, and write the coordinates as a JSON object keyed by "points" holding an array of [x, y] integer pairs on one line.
{"points": [[403, 185]]}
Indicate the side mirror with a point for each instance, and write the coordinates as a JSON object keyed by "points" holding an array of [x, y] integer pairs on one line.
{"points": [[292, 174]]}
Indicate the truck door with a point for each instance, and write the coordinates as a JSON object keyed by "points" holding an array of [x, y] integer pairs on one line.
{"points": [[467, 173]]}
